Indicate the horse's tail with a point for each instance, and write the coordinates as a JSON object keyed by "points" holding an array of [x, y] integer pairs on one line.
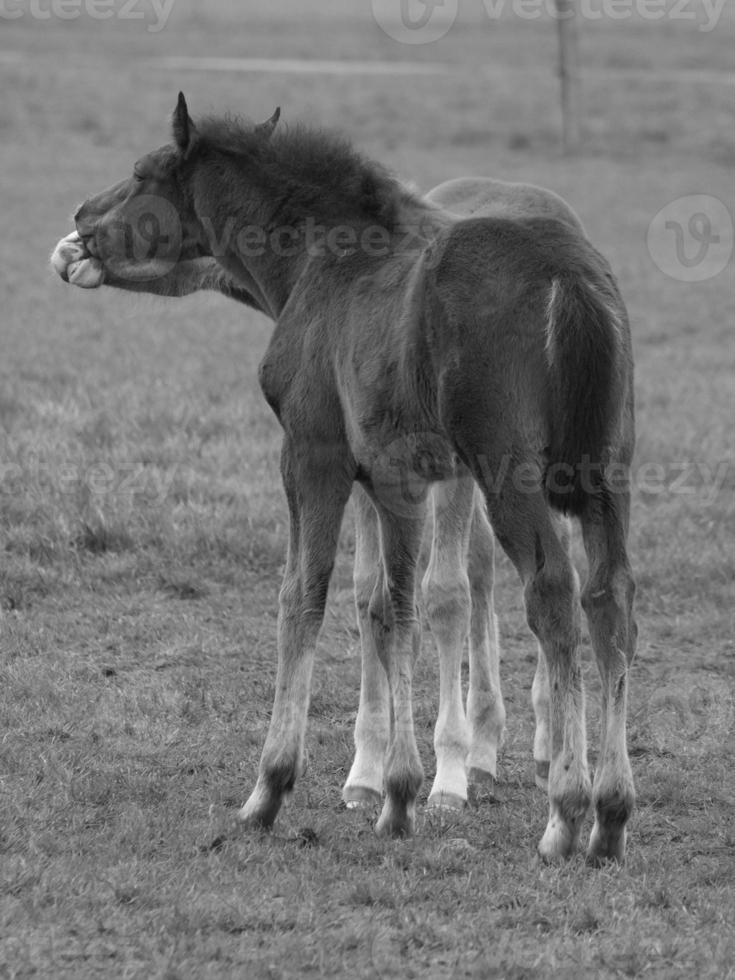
{"points": [[587, 352]]}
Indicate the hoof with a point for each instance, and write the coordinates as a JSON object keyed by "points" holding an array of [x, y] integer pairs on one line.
{"points": [[396, 823], [255, 821], [605, 848], [446, 801], [554, 851], [541, 777], [481, 777], [481, 788], [559, 841], [361, 798], [260, 811]]}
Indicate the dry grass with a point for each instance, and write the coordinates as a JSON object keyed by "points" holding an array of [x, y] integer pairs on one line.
{"points": [[144, 532]]}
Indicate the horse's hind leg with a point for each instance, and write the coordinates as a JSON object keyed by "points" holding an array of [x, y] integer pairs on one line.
{"points": [[540, 687], [364, 785], [485, 707], [526, 530], [317, 491], [446, 592], [608, 603]]}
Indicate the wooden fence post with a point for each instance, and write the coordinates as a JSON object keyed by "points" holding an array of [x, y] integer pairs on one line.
{"points": [[566, 19]]}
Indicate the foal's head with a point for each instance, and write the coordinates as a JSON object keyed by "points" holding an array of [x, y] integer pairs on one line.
{"points": [[143, 226]]}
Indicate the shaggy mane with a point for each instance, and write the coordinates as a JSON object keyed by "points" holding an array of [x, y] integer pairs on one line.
{"points": [[314, 172]]}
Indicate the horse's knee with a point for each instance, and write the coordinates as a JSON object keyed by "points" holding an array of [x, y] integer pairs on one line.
{"points": [[551, 604], [446, 599], [482, 581], [379, 612], [611, 587], [607, 600]]}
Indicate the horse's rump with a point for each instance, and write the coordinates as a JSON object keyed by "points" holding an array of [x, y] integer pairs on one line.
{"points": [[531, 336]]}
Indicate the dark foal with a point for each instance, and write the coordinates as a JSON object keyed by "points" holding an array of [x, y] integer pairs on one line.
{"points": [[412, 345]]}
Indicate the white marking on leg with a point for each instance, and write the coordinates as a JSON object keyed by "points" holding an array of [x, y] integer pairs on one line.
{"points": [[569, 782], [364, 784], [485, 707], [446, 591], [541, 710]]}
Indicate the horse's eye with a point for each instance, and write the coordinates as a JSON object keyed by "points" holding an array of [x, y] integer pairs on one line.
{"points": [[137, 174]]}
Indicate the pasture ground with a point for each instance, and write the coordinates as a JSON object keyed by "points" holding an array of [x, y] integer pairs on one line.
{"points": [[143, 536]]}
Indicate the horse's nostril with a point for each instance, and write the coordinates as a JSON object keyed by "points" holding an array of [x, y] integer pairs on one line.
{"points": [[84, 222]]}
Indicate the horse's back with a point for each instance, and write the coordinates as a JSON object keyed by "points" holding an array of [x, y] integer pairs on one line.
{"points": [[484, 197]]}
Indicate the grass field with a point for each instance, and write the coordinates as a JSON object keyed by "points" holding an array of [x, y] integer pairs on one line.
{"points": [[143, 536]]}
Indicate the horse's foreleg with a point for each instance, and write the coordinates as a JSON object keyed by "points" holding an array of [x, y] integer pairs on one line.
{"points": [[446, 592], [364, 785], [608, 603], [316, 499], [485, 707]]}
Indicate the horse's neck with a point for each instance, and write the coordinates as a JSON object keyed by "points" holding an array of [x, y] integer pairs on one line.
{"points": [[266, 279], [242, 288]]}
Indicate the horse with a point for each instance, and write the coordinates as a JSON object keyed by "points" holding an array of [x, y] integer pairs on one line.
{"points": [[413, 346], [461, 559]]}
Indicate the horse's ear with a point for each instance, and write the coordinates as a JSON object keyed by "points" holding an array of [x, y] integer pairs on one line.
{"points": [[185, 132], [266, 128]]}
